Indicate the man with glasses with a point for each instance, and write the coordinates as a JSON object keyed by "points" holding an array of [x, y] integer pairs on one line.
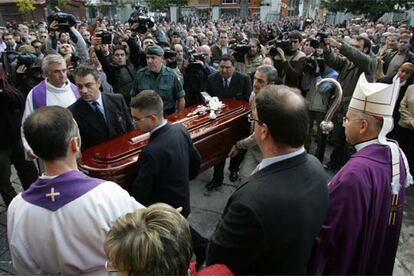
{"points": [[167, 163], [290, 65], [270, 222], [361, 232], [59, 224]]}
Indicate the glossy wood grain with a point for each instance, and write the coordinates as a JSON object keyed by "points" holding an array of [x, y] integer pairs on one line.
{"points": [[115, 160]]}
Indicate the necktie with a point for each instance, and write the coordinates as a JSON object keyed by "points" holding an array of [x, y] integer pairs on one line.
{"points": [[98, 111], [226, 83]]}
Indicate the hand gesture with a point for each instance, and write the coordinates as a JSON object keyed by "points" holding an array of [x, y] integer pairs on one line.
{"points": [[21, 69], [281, 54], [234, 151]]}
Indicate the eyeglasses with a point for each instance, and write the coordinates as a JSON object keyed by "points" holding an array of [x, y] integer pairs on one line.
{"points": [[110, 269], [251, 119]]}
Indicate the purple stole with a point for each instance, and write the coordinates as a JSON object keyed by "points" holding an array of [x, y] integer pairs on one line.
{"points": [[55, 193], [39, 94]]}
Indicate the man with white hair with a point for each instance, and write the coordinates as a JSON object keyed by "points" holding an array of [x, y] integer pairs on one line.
{"points": [[360, 234], [56, 89]]}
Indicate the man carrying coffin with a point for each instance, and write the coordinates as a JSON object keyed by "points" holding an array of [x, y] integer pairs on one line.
{"points": [[360, 234]]}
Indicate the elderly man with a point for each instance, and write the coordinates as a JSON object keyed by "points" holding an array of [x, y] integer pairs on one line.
{"points": [[67, 212], [100, 116], [264, 75], [163, 80], [360, 234], [394, 59], [56, 89], [270, 222]]}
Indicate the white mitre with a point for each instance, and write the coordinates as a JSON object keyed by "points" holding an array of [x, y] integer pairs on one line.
{"points": [[378, 99]]}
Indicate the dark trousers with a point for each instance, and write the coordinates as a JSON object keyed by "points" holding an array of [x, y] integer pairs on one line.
{"points": [[26, 170], [199, 247], [233, 167]]}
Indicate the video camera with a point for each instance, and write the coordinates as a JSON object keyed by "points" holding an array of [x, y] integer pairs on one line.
{"points": [[319, 39], [140, 16], [282, 42], [169, 55], [64, 20], [28, 59], [310, 65], [105, 36], [239, 49]]}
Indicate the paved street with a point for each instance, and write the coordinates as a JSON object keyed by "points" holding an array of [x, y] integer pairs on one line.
{"points": [[206, 211]]}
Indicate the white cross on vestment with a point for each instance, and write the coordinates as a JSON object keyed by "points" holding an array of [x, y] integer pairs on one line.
{"points": [[52, 194]]}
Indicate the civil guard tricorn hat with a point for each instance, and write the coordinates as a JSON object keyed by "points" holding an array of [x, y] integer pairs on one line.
{"points": [[378, 99]]}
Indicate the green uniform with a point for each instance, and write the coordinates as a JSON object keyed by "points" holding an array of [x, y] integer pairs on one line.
{"points": [[166, 84]]}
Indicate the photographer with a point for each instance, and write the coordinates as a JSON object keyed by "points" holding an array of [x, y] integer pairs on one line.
{"points": [[252, 59], [318, 99], [355, 59], [56, 31], [196, 74], [26, 70], [121, 71], [290, 61]]}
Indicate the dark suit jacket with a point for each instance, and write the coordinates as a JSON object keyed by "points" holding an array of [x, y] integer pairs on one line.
{"points": [[165, 166], [270, 222], [92, 129], [239, 87]]}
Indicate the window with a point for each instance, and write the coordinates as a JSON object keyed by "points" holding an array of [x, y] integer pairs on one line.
{"points": [[229, 1]]}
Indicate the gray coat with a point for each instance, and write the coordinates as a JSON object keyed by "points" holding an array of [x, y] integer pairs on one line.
{"points": [[350, 66]]}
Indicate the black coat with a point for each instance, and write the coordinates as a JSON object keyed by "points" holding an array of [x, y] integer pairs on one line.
{"points": [[92, 130], [165, 167], [239, 87], [270, 222]]}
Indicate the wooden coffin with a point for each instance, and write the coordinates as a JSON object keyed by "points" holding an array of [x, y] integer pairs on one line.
{"points": [[116, 159]]}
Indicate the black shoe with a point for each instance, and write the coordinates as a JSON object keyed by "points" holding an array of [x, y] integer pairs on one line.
{"points": [[234, 176], [214, 183]]}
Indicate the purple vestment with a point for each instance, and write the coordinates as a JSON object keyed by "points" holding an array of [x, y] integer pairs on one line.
{"points": [[39, 94], [55, 193], [356, 237]]}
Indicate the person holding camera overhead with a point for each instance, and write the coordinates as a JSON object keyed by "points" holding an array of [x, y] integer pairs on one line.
{"points": [[290, 60], [355, 59], [121, 71]]}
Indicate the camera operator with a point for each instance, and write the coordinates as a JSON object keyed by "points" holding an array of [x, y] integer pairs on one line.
{"points": [[56, 32], [121, 71], [289, 62], [318, 100], [26, 70], [170, 60], [252, 59], [355, 59], [196, 74]]}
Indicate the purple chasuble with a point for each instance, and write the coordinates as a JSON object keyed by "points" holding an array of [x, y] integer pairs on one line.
{"points": [[55, 193], [39, 94], [357, 236]]}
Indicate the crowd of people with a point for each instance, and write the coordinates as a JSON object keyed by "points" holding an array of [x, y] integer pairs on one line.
{"points": [[65, 89]]}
